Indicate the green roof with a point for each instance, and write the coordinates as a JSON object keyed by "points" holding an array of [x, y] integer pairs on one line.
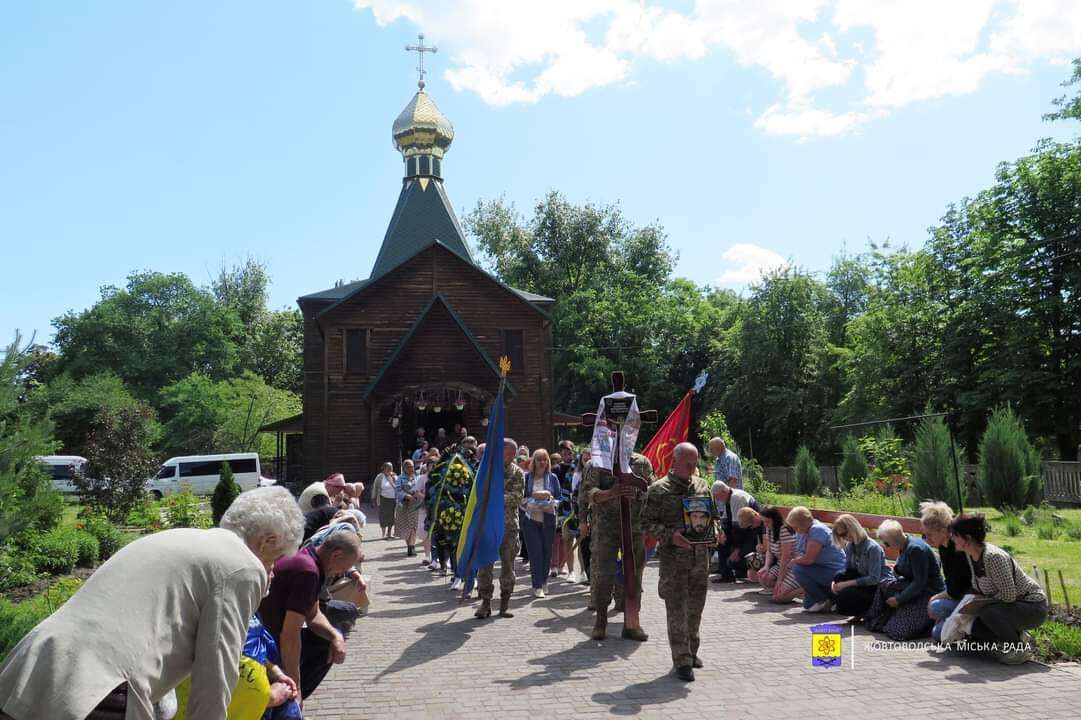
{"points": [[423, 214]]}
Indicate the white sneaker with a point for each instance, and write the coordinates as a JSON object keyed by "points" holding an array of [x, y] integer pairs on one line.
{"points": [[538, 592], [456, 584], [819, 607]]}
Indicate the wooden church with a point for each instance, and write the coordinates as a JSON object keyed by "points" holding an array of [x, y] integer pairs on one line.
{"points": [[417, 344]]}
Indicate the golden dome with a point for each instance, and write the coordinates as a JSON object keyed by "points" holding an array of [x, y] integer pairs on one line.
{"points": [[421, 129]]}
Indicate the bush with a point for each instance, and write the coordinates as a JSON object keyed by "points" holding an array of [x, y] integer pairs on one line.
{"points": [[108, 536], [1006, 461], [933, 463], [56, 551], [145, 515], [16, 569], [89, 549], [713, 424], [1013, 526], [225, 492], [807, 476], [185, 510], [754, 481], [853, 464], [17, 619], [1047, 531], [1074, 532]]}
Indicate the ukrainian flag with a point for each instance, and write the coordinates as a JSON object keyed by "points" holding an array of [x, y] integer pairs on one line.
{"points": [[482, 527]]}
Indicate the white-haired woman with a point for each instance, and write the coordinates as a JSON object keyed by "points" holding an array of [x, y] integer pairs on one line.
{"points": [[935, 519], [900, 605], [854, 588], [164, 607]]}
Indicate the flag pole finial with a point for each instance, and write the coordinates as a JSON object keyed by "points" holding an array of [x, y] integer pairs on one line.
{"points": [[504, 366]]}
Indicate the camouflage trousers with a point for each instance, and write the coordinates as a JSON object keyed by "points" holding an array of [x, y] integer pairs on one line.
{"points": [[683, 584], [605, 543], [508, 550]]}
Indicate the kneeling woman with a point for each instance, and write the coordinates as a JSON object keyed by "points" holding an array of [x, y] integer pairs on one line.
{"points": [[854, 587], [900, 605], [817, 560], [775, 575], [1021, 604]]}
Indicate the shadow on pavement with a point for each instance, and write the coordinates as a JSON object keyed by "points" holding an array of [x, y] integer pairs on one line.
{"points": [[975, 669], [585, 656], [633, 699], [436, 640]]}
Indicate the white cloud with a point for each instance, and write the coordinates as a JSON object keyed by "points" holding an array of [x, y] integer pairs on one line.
{"points": [[746, 263], [881, 54]]}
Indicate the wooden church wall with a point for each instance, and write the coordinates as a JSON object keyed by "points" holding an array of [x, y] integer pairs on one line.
{"points": [[357, 439]]}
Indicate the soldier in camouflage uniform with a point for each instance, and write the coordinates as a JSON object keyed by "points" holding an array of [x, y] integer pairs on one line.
{"points": [[513, 491], [600, 496], [684, 568]]}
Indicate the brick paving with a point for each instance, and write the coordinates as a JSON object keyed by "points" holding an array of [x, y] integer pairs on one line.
{"points": [[419, 654]]}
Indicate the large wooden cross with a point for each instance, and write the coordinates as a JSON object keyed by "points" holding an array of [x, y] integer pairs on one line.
{"points": [[632, 593]]}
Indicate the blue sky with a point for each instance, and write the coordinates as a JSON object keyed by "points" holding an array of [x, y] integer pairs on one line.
{"points": [[181, 136]]}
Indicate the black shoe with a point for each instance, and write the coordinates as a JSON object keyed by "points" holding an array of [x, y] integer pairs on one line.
{"points": [[724, 579], [696, 662], [685, 673]]}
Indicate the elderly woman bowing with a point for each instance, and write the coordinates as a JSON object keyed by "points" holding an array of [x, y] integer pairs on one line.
{"points": [[900, 606], [164, 607], [817, 560]]}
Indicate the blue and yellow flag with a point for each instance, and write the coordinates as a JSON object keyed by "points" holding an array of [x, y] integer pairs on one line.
{"points": [[482, 527]]}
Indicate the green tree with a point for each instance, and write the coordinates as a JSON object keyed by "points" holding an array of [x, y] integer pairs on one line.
{"points": [[808, 478], [1068, 107], [73, 404], [203, 416], [120, 457], [156, 330], [778, 369], [1006, 461], [27, 498], [933, 463], [225, 492], [615, 304], [853, 469]]}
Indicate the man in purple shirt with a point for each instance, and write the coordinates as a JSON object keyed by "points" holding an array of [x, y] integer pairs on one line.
{"points": [[294, 599]]}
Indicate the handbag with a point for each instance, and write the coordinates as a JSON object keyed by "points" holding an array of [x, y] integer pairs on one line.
{"points": [[755, 560]]}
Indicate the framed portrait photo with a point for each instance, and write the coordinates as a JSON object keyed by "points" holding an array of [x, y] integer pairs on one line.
{"points": [[698, 520]]}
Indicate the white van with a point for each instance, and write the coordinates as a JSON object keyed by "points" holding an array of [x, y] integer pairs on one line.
{"points": [[202, 473], [63, 467]]}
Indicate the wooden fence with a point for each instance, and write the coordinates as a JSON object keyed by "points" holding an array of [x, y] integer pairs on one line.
{"points": [[1062, 482]]}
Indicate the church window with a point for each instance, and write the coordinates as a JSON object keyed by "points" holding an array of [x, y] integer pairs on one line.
{"points": [[513, 349], [356, 351]]}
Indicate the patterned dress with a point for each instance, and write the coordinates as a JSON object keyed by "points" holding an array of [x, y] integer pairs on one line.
{"points": [[408, 507]]}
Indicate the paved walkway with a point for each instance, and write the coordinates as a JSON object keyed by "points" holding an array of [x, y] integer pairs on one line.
{"points": [[419, 654]]}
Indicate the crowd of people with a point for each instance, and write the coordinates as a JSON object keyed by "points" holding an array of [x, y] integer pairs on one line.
{"points": [[244, 621]]}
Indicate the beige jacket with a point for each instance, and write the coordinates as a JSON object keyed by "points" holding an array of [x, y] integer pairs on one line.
{"points": [[165, 607]]}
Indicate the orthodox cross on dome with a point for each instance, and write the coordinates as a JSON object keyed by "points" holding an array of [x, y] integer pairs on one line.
{"points": [[420, 48]]}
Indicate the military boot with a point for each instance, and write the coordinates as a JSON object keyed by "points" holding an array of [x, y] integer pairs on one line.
{"points": [[600, 627], [485, 609], [635, 634], [504, 604]]}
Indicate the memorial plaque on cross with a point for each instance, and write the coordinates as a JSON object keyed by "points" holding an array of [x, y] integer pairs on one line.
{"points": [[617, 411]]}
